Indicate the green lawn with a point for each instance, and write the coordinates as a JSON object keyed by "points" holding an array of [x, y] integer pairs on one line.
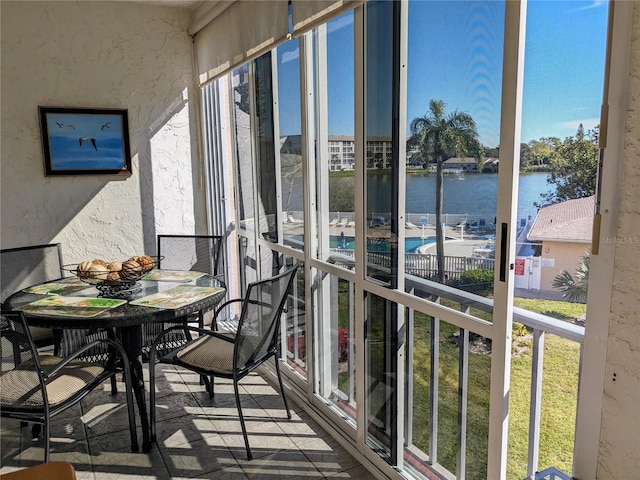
{"points": [[560, 381], [559, 393]]}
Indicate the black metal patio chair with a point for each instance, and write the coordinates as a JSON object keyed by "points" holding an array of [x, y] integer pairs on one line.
{"points": [[232, 355], [36, 387], [23, 267], [200, 253]]}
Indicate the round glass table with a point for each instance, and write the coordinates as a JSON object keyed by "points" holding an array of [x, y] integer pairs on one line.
{"points": [[172, 296]]}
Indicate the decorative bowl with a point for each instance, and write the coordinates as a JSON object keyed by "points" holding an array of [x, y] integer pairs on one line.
{"points": [[114, 276]]}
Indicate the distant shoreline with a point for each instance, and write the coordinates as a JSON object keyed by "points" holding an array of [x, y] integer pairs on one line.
{"points": [[426, 172]]}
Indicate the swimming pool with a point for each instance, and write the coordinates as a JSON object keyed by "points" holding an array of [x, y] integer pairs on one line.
{"points": [[380, 244]]}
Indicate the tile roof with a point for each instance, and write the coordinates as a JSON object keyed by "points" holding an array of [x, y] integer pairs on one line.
{"points": [[569, 221]]}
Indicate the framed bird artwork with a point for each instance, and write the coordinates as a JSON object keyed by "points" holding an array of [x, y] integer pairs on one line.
{"points": [[85, 141]]}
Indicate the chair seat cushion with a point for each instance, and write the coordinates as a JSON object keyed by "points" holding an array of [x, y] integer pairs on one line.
{"points": [[20, 387], [210, 353]]}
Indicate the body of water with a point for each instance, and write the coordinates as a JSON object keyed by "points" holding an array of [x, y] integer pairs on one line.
{"points": [[472, 193]]}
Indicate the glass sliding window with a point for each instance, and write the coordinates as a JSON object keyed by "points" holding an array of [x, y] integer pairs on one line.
{"points": [[381, 205], [290, 142], [335, 141], [336, 360], [454, 78], [293, 327], [381, 388], [265, 150], [565, 51], [244, 162]]}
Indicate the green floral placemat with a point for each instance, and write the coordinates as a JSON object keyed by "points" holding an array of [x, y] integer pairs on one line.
{"points": [[172, 276], [71, 306], [176, 297], [57, 288]]}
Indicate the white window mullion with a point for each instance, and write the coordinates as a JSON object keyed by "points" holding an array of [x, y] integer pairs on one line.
{"points": [[326, 325], [510, 127], [309, 186]]}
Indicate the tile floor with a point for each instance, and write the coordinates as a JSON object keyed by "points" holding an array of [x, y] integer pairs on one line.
{"points": [[198, 437]]}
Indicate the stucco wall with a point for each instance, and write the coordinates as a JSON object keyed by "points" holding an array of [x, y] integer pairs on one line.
{"points": [[619, 453], [565, 256], [99, 54]]}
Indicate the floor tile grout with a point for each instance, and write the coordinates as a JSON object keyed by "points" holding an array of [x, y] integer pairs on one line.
{"points": [[189, 444]]}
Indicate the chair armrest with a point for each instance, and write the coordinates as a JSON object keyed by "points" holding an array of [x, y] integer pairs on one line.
{"points": [[219, 309], [228, 302], [69, 358]]}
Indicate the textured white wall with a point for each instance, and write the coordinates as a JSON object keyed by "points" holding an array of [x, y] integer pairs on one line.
{"points": [[619, 454], [99, 54]]}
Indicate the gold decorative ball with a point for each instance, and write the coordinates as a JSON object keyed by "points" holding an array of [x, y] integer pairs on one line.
{"points": [[83, 269], [97, 273], [131, 270], [99, 261], [146, 262]]}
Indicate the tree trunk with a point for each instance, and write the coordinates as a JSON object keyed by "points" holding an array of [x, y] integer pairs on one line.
{"points": [[439, 229]]}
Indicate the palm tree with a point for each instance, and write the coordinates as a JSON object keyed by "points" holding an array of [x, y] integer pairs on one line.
{"points": [[575, 289], [439, 136]]}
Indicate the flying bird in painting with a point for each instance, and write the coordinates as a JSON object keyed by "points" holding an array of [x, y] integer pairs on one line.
{"points": [[106, 125], [60, 125], [71, 126], [92, 140]]}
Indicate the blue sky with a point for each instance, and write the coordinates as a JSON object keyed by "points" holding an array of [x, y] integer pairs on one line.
{"points": [[455, 55]]}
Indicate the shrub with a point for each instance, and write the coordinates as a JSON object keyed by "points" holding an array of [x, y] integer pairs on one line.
{"points": [[477, 281]]}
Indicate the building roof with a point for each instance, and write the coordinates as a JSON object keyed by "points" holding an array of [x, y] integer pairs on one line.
{"points": [[569, 221], [462, 161]]}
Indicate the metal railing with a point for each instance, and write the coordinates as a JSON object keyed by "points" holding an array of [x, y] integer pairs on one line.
{"points": [[425, 265], [539, 324], [415, 283]]}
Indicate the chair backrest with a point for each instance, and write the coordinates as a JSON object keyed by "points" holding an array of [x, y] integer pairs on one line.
{"points": [[19, 354], [199, 253], [259, 325], [25, 266]]}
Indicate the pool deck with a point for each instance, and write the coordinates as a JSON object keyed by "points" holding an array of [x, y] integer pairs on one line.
{"points": [[457, 243]]}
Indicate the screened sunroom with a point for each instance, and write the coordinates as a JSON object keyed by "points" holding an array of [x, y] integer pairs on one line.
{"points": [[307, 132]]}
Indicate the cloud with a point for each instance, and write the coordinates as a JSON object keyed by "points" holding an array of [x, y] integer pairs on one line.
{"points": [[339, 23], [594, 4], [290, 56], [587, 123]]}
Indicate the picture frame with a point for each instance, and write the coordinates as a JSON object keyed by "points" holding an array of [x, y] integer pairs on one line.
{"points": [[85, 141]]}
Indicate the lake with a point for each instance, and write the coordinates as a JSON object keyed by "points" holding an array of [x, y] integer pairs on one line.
{"points": [[472, 193]]}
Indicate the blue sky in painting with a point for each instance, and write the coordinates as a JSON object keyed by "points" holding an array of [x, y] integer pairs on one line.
{"points": [[67, 152]]}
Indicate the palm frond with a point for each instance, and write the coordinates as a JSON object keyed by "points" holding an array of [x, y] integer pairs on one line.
{"points": [[574, 289]]}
